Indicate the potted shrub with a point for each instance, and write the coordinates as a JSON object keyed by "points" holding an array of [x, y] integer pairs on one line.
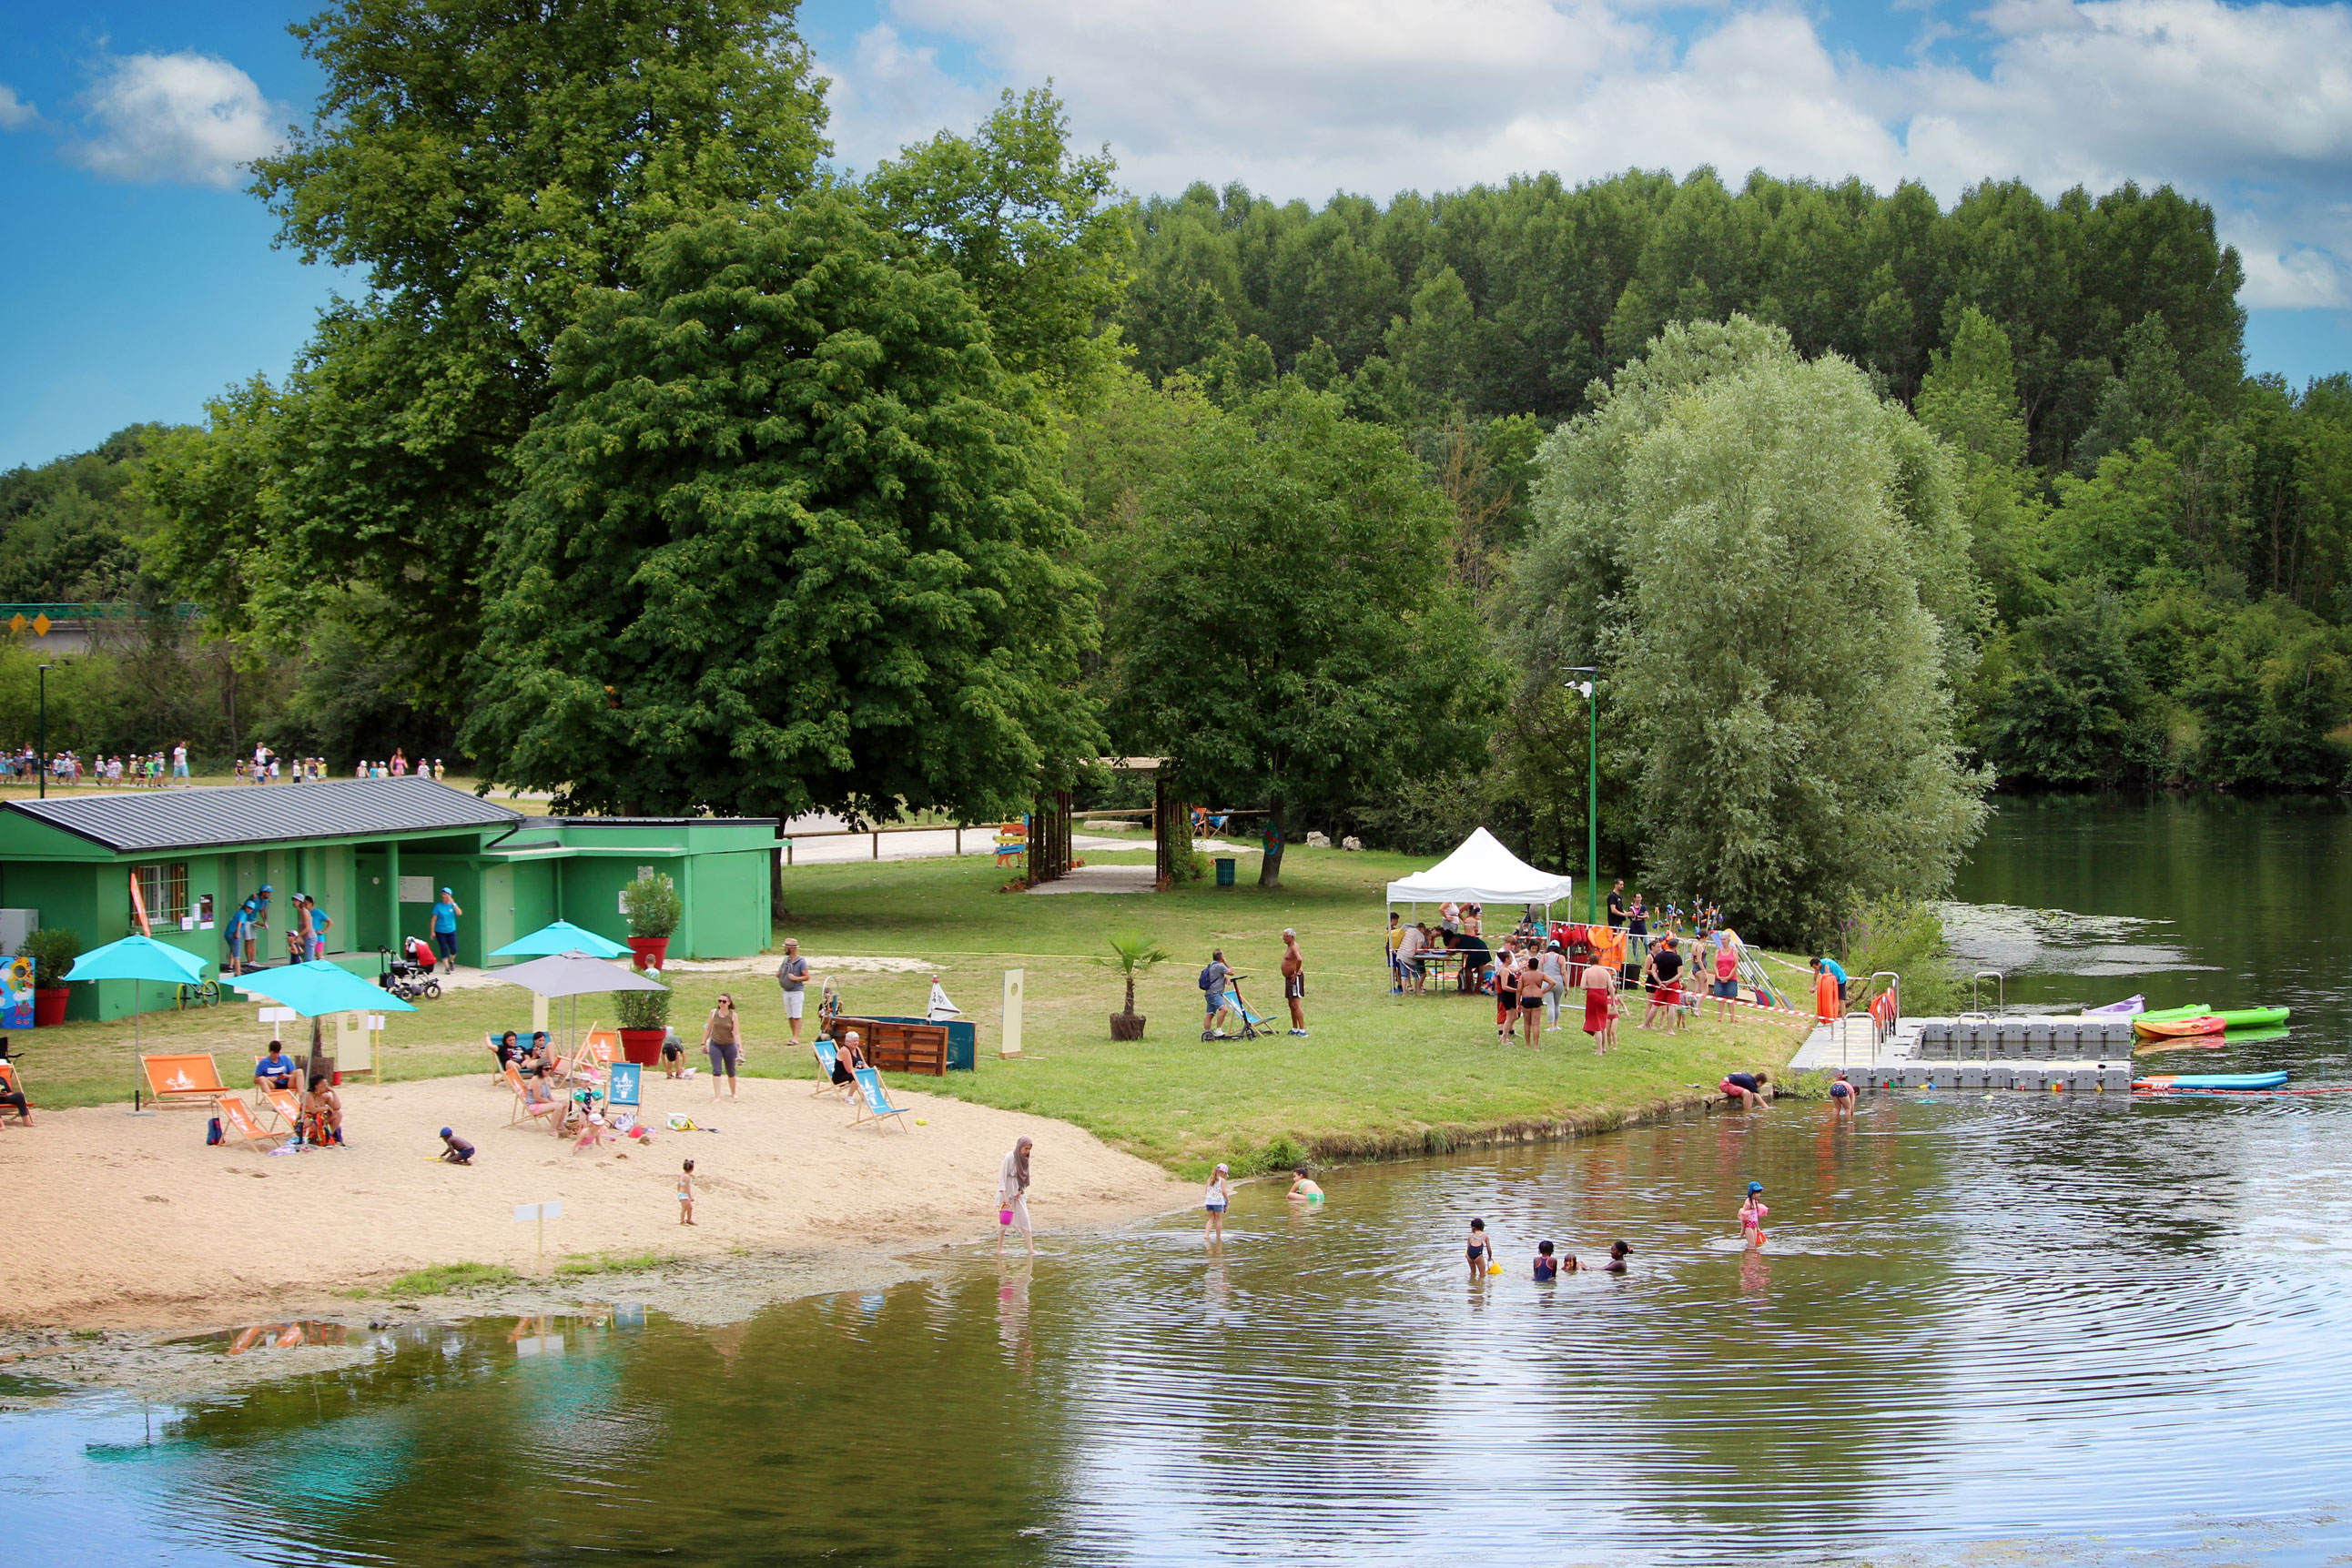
{"points": [[644, 1019], [654, 910], [53, 950], [1131, 956]]}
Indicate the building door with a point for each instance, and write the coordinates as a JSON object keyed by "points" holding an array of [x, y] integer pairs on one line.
{"points": [[498, 910]]}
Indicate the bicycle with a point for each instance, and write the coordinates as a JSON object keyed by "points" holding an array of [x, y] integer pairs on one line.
{"points": [[199, 994]]}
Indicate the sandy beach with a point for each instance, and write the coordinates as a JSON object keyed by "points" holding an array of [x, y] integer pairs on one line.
{"points": [[134, 1222]]}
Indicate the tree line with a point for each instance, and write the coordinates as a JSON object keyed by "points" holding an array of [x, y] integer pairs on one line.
{"points": [[661, 465]]}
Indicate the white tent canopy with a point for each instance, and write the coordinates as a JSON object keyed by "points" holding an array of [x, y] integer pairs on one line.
{"points": [[1481, 871]]}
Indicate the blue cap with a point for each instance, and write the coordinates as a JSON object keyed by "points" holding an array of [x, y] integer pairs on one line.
{"points": [[266, 888], [1756, 1186], [450, 891], [445, 1132]]}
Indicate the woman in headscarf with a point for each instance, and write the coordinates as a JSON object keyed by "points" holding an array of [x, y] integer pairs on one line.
{"points": [[1012, 1197]]}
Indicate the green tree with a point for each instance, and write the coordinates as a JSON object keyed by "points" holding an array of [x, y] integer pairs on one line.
{"points": [[1968, 399], [1290, 632], [484, 164], [2070, 707], [788, 538], [1740, 539]]}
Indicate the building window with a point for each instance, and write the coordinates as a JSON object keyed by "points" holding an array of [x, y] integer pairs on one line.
{"points": [[164, 891]]}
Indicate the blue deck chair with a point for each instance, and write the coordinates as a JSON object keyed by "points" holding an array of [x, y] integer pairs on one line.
{"points": [[827, 1054], [874, 1101], [622, 1093]]}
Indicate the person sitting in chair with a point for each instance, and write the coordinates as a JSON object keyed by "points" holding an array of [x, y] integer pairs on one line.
{"points": [[539, 1057], [275, 1071], [509, 1051], [322, 1113], [847, 1060]]}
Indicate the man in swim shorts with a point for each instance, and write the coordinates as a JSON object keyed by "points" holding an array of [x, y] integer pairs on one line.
{"points": [[1841, 1096], [1293, 982]]}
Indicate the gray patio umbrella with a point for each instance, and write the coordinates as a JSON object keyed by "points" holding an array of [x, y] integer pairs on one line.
{"points": [[573, 974]]}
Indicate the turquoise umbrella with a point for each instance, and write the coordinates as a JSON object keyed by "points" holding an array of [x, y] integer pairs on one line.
{"points": [[318, 988], [562, 937], [137, 958]]}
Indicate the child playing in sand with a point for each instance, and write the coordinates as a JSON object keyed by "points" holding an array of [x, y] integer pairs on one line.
{"points": [[1303, 1188], [454, 1149], [685, 1195], [1752, 1213]]}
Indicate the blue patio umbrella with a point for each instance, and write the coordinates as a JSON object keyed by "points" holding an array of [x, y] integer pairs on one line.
{"points": [[318, 988], [562, 937], [137, 958]]}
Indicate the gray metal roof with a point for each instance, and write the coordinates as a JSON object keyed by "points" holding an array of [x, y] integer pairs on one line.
{"points": [[134, 820]]}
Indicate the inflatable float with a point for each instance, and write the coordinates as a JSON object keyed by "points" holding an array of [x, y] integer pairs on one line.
{"points": [[2161, 1084]]}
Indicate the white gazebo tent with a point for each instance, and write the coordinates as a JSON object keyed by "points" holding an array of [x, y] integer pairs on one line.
{"points": [[1481, 871]]}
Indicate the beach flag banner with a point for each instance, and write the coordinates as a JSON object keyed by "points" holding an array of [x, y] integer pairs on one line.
{"points": [[1009, 1039]]}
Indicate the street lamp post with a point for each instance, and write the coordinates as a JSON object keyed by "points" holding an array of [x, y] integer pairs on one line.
{"points": [[41, 746], [1592, 791]]}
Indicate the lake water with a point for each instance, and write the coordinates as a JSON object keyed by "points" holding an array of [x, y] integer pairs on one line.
{"points": [[2078, 1330]]}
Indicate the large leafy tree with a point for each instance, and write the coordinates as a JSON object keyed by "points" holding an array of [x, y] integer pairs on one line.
{"points": [[484, 163], [1289, 632], [1768, 567], [788, 538]]}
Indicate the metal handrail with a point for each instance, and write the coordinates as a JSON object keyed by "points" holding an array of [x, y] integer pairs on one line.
{"points": [[1975, 996]]}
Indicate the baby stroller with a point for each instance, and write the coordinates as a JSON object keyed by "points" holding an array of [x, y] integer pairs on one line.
{"points": [[1251, 1022], [409, 976]]}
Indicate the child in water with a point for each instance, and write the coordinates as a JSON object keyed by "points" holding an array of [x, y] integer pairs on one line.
{"points": [[1220, 1194], [1752, 1213], [1477, 1248], [1303, 1188], [1546, 1266]]}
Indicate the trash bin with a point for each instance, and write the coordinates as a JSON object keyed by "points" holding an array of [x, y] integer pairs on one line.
{"points": [[1225, 870]]}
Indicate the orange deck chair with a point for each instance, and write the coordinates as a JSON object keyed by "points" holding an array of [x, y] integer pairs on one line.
{"points": [[238, 1125], [523, 1110], [192, 1079]]}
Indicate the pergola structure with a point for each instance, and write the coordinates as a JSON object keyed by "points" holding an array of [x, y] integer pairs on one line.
{"points": [[1049, 824]]}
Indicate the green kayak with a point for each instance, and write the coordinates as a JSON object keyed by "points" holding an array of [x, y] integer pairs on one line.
{"points": [[2193, 1011], [2253, 1017]]}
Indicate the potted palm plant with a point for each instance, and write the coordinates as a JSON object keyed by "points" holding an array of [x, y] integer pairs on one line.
{"points": [[1131, 955], [644, 1019], [52, 949], [654, 910]]}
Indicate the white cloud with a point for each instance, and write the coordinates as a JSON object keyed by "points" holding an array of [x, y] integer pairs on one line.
{"points": [[14, 111], [890, 95], [185, 118], [2249, 107]]}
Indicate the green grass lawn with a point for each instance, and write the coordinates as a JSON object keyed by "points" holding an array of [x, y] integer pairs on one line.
{"points": [[1379, 1075]]}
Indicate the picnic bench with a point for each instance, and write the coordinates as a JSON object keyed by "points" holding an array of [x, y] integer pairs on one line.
{"points": [[896, 1045]]}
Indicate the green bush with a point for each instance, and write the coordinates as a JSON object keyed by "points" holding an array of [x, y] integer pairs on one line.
{"points": [[1906, 935], [53, 949], [652, 905], [443, 1278], [642, 1010]]}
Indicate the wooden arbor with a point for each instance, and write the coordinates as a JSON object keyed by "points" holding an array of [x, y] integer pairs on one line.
{"points": [[1049, 825]]}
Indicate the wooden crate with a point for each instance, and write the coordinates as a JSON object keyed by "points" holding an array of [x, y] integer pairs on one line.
{"points": [[898, 1047]]}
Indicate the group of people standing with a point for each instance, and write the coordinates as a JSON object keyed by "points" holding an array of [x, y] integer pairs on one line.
{"points": [[245, 930]]}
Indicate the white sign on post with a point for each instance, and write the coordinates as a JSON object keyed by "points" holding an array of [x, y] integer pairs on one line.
{"points": [[415, 890], [526, 1213]]}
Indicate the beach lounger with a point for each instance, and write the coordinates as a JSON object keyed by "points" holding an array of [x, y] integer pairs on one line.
{"points": [[827, 1054], [238, 1125], [873, 1102], [286, 1106], [188, 1079], [522, 1109]]}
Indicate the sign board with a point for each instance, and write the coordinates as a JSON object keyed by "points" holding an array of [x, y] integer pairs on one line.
{"points": [[1009, 1042], [527, 1212], [415, 890], [278, 1015], [623, 1090], [355, 1041]]}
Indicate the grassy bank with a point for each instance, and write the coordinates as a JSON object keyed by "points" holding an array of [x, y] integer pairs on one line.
{"points": [[1379, 1075]]}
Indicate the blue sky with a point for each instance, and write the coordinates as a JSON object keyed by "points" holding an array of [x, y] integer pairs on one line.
{"points": [[138, 278]]}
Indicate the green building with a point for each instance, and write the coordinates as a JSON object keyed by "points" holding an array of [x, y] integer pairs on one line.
{"points": [[375, 854]]}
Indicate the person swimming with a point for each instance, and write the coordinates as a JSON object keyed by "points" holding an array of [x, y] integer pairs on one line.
{"points": [[1546, 1266], [1303, 1188], [1752, 1213], [1618, 1253], [1477, 1248]]}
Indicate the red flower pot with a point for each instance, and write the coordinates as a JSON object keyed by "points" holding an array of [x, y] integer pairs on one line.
{"points": [[642, 1046], [49, 1006], [651, 952]]}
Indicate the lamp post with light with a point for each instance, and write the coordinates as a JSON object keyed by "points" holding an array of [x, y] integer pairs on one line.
{"points": [[1592, 789], [42, 744]]}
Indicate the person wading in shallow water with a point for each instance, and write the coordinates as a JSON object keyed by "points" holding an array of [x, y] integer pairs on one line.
{"points": [[1012, 1197]]}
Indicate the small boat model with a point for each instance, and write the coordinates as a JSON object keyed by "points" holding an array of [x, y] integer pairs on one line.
{"points": [[2161, 1084]]}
